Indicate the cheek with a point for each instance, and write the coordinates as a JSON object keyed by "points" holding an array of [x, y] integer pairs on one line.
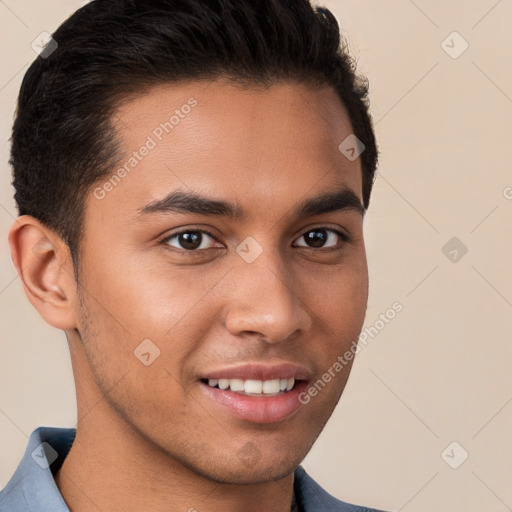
{"points": [[341, 309], [153, 300], [138, 374], [340, 296]]}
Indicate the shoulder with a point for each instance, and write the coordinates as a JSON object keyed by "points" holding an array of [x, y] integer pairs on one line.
{"points": [[315, 499]]}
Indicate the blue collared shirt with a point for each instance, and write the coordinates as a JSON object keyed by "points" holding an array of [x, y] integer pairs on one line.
{"points": [[32, 488]]}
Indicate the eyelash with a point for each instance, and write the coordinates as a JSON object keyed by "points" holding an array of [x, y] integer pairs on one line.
{"points": [[344, 237]]}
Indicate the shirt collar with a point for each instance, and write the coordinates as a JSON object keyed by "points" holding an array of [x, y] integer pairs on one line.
{"points": [[32, 487]]}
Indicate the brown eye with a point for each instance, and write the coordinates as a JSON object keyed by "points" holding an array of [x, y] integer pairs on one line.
{"points": [[319, 237], [189, 240]]}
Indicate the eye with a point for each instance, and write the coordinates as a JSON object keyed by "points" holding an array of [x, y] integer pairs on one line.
{"points": [[195, 240], [190, 240], [317, 238]]}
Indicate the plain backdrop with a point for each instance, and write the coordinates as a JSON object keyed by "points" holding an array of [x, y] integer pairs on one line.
{"points": [[425, 421]]}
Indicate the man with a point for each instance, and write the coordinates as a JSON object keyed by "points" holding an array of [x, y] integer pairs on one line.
{"points": [[191, 178]]}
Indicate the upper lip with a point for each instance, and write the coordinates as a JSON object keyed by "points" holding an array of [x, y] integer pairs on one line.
{"points": [[260, 371]]}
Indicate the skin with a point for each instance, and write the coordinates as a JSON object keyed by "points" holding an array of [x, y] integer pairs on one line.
{"points": [[149, 434]]}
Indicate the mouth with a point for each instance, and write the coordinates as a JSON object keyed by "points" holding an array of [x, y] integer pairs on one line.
{"points": [[257, 393], [252, 387]]}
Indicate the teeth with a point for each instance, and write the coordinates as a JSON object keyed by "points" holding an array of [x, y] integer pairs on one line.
{"points": [[254, 387], [236, 384], [223, 383], [271, 386]]}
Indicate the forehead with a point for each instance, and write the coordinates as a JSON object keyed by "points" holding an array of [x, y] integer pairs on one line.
{"points": [[222, 111], [255, 145]]}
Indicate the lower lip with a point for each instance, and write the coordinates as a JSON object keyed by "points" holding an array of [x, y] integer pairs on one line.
{"points": [[258, 409]]}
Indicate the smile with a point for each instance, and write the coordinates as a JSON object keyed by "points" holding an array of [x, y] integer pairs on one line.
{"points": [[251, 387], [256, 392]]}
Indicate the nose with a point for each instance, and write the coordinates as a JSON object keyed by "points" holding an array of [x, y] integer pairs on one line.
{"points": [[267, 302]]}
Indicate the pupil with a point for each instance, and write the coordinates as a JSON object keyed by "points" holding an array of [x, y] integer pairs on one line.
{"points": [[317, 237], [190, 240]]}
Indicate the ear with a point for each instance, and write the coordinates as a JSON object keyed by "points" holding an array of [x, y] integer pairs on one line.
{"points": [[44, 264]]}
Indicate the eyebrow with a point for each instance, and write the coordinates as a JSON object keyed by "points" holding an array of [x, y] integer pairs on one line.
{"points": [[179, 201]]}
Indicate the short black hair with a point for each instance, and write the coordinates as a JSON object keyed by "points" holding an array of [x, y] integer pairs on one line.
{"points": [[63, 138]]}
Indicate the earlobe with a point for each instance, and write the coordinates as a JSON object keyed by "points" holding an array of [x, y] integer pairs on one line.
{"points": [[44, 264]]}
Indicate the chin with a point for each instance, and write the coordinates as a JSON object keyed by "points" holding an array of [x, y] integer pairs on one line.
{"points": [[261, 473], [251, 464]]}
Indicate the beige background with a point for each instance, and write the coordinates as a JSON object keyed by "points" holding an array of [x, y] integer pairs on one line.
{"points": [[437, 373]]}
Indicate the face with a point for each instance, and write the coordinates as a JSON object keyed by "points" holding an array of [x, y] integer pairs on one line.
{"points": [[219, 282]]}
